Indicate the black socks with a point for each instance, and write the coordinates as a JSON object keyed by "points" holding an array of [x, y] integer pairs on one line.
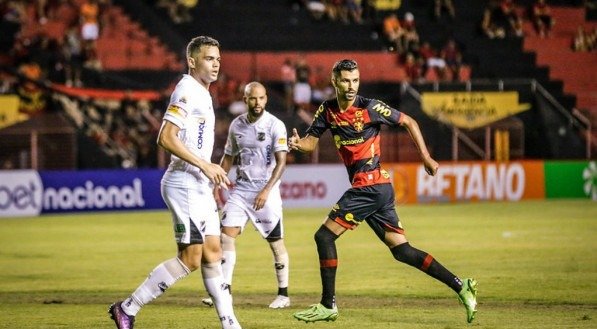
{"points": [[328, 263], [426, 263]]}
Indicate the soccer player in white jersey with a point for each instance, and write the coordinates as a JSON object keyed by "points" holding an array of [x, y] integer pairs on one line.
{"points": [[187, 132], [257, 145]]}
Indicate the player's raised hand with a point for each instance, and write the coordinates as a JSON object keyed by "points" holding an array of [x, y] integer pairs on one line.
{"points": [[294, 140]]}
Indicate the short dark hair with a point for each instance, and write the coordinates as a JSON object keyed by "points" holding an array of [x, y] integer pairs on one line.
{"points": [[344, 65], [197, 42]]}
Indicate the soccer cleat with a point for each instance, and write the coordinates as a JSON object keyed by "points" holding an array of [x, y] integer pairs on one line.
{"points": [[122, 320], [317, 312], [207, 302], [468, 297], [280, 302]]}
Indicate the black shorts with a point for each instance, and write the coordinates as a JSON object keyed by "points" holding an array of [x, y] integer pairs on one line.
{"points": [[373, 204]]}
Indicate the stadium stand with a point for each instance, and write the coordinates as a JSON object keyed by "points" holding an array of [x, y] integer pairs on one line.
{"points": [[141, 48], [573, 68]]}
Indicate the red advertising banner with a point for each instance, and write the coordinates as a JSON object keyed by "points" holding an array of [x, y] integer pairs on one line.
{"points": [[469, 181]]}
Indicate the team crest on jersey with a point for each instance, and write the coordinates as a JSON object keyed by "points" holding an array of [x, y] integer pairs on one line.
{"points": [[261, 136], [359, 122]]}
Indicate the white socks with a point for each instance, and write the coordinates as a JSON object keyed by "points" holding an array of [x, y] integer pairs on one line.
{"points": [[160, 279], [219, 291], [228, 257], [281, 262]]}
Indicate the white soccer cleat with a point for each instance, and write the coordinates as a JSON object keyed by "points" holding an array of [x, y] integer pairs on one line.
{"points": [[207, 302], [280, 302]]}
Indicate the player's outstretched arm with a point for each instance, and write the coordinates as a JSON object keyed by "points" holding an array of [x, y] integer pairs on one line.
{"points": [[305, 144], [412, 126]]}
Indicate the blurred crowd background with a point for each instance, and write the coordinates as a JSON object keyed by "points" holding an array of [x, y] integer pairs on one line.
{"points": [[92, 78]]}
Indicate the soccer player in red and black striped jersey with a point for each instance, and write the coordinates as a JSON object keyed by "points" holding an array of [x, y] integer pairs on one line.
{"points": [[355, 123]]}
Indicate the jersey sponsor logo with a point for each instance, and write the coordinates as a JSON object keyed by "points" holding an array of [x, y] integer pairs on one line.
{"points": [[200, 131], [177, 111], [339, 142], [240, 179], [382, 109], [261, 136], [268, 155], [282, 141]]}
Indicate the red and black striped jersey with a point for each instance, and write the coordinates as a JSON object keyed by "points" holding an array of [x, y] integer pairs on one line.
{"points": [[356, 136]]}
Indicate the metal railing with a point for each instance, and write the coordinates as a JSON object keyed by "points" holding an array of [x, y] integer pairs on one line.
{"points": [[574, 117]]}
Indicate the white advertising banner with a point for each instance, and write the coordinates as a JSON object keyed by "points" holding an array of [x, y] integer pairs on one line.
{"points": [[309, 186], [20, 193]]}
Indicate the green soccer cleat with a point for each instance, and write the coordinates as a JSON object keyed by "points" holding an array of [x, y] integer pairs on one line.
{"points": [[468, 297], [317, 312]]}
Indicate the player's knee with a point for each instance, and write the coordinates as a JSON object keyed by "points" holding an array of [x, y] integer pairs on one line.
{"points": [[324, 236], [212, 249], [404, 253], [190, 257]]}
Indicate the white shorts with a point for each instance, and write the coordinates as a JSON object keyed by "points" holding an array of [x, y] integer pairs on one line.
{"points": [[194, 213], [267, 220]]}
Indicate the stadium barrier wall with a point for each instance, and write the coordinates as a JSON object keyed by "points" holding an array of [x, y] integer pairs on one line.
{"points": [[32, 193]]}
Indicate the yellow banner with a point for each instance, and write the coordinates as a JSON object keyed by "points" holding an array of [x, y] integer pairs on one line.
{"points": [[9, 110], [387, 4], [471, 109]]}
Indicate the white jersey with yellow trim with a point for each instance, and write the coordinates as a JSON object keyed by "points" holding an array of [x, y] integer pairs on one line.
{"points": [[255, 145], [191, 109]]}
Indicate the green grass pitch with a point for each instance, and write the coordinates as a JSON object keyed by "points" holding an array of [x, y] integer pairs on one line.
{"points": [[535, 261]]}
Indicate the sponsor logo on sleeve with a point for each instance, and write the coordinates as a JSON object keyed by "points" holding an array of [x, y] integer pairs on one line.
{"points": [[177, 111]]}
